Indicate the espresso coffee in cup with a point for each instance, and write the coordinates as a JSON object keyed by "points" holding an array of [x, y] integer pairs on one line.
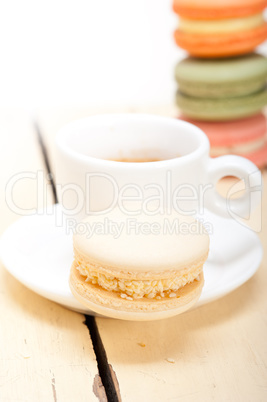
{"points": [[137, 160], [142, 157]]}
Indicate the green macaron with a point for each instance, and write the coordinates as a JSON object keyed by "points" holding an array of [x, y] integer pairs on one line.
{"points": [[225, 78], [222, 89]]}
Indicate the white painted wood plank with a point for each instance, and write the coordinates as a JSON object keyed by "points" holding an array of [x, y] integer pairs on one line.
{"points": [[215, 353], [219, 350], [46, 351]]}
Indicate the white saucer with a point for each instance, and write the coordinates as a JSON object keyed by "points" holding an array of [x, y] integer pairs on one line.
{"points": [[39, 254]]}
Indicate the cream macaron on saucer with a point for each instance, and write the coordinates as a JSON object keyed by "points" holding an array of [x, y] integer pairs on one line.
{"points": [[150, 267]]}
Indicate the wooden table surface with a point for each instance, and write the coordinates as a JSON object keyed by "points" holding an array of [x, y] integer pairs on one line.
{"points": [[49, 353]]}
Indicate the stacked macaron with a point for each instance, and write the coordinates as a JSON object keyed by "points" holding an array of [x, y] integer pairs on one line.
{"points": [[223, 91], [139, 275], [220, 28]]}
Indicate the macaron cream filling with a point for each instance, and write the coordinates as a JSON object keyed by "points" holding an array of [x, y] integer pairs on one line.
{"points": [[224, 90], [137, 289], [222, 25]]}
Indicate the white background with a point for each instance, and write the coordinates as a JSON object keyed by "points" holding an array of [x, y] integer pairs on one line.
{"points": [[87, 52]]}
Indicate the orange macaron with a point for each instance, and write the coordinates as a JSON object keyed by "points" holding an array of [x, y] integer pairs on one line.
{"points": [[220, 29]]}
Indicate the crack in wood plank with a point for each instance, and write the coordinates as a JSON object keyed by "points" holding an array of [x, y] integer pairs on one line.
{"points": [[53, 384], [105, 385], [50, 176], [115, 380], [106, 371]]}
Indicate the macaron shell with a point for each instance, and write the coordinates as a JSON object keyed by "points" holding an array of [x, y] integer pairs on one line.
{"points": [[112, 305], [221, 109], [137, 251], [226, 71], [216, 9], [221, 45]]}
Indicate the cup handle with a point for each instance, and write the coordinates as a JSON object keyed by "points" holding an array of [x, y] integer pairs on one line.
{"points": [[242, 168]]}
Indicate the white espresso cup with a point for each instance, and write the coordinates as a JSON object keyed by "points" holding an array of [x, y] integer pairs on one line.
{"points": [[95, 172]]}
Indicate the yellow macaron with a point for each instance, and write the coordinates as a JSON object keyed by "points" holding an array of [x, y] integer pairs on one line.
{"points": [[139, 268]]}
